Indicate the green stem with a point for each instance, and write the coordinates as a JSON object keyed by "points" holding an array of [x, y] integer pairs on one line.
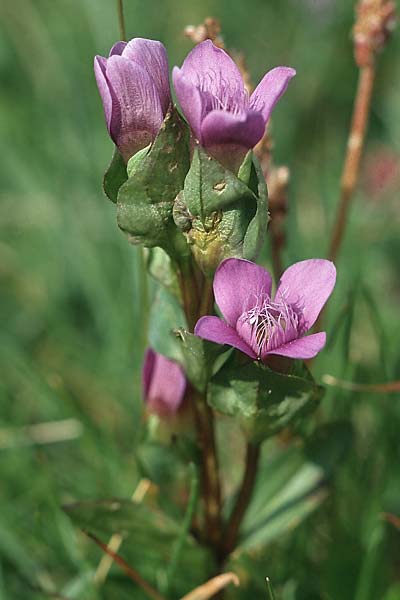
{"points": [[121, 19], [271, 594]]}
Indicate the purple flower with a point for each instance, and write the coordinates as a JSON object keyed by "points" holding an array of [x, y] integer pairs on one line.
{"points": [[164, 384], [134, 87], [258, 325], [213, 98]]}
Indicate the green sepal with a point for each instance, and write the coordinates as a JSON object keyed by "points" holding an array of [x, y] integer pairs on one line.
{"points": [[166, 314], [220, 214], [160, 267], [145, 201], [263, 401], [115, 176], [257, 229], [198, 357]]}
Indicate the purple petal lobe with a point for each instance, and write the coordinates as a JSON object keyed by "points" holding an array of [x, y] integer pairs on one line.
{"points": [[270, 89], [164, 383], [243, 129], [118, 48], [307, 285], [100, 65], [237, 281], [302, 348], [214, 72], [189, 99], [216, 330], [137, 114], [152, 56]]}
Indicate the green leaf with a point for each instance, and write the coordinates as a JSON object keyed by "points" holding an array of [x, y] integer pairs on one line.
{"points": [[217, 208], [166, 314], [257, 229], [288, 489], [209, 187], [145, 201], [160, 268], [262, 400], [115, 176], [198, 357], [329, 444]]}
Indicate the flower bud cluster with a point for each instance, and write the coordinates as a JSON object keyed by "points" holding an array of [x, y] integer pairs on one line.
{"points": [[375, 21]]}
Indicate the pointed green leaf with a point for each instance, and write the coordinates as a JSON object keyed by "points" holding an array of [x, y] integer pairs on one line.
{"points": [[166, 314], [263, 401], [145, 201], [115, 176], [198, 357]]}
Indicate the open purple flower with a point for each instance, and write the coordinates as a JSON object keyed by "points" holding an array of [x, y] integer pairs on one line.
{"points": [[211, 92], [164, 384], [258, 325], [134, 87]]}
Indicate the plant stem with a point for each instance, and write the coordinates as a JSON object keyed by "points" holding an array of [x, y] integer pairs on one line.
{"points": [[121, 19], [355, 145], [194, 302], [244, 497], [210, 473], [132, 574]]}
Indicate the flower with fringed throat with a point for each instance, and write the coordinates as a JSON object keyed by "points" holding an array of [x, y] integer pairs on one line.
{"points": [[260, 325]]}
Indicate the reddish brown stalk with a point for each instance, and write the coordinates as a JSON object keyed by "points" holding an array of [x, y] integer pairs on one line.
{"points": [[210, 471], [132, 574], [375, 19], [243, 499], [391, 387], [355, 144], [195, 304]]}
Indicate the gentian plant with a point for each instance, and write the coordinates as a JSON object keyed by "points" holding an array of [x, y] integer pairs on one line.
{"points": [[188, 188]]}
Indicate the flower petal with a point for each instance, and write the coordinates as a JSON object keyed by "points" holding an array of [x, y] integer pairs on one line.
{"points": [[270, 89], [211, 69], [137, 115], [164, 383], [152, 56], [220, 127], [308, 285], [302, 348], [100, 66], [118, 48], [189, 99], [235, 281], [216, 330]]}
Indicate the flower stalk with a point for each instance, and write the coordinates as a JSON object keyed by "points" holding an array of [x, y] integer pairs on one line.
{"points": [[375, 19], [243, 498]]}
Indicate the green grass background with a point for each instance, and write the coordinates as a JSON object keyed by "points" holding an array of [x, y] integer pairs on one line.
{"points": [[71, 301]]}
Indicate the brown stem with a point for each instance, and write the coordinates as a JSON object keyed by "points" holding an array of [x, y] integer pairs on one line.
{"points": [[121, 19], [210, 472], [243, 499], [355, 145], [194, 303], [132, 574]]}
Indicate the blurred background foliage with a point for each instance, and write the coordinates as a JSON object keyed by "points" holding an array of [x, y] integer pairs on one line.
{"points": [[72, 305]]}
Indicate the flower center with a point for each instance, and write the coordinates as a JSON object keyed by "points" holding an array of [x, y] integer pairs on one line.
{"points": [[221, 94], [265, 324]]}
